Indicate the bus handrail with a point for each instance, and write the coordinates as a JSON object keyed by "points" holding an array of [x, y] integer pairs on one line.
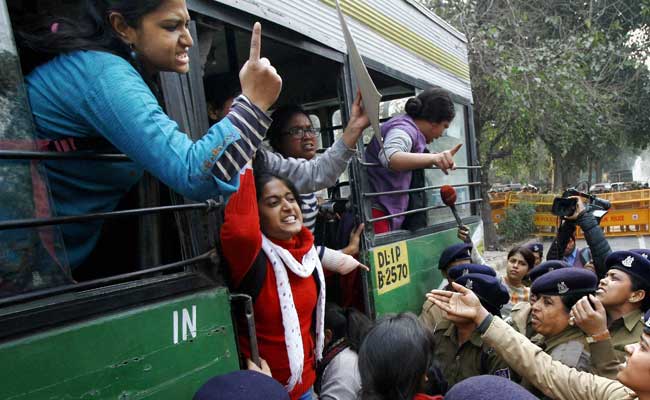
{"points": [[208, 205], [420, 189], [53, 155], [76, 287], [370, 164], [417, 210]]}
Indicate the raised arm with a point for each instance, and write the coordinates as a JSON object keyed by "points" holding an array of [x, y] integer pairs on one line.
{"points": [[323, 171], [241, 237], [552, 377]]}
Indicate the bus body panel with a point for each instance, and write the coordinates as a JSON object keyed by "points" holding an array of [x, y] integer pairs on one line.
{"points": [[164, 350], [419, 45], [394, 293]]}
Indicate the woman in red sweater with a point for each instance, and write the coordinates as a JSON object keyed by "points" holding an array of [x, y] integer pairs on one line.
{"points": [[264, 216]]}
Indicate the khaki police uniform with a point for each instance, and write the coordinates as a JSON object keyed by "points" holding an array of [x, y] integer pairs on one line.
{"points": [[568, 347], [626, 330], [472, 358], [520, 318], [433, 317], [607, 355], [553, 378]]}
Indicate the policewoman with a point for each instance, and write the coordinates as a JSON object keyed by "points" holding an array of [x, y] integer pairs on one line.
{"points": [[458, 347], [622, 297], [553, 378], [557, 291], [520, 317], [456, 254], [431, 316]]}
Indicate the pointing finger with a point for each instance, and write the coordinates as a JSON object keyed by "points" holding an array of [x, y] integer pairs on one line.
{"points": [[454, 150], [256, 42]]}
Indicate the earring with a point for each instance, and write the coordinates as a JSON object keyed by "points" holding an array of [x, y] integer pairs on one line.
{"points": [[134, 54]]}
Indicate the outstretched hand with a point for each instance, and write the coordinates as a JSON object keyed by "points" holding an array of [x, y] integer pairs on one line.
{"points": [[445, 160], [259, 80], [462, 304]]}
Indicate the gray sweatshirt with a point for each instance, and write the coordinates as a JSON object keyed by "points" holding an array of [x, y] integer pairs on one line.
{"points": [[312, 175]]}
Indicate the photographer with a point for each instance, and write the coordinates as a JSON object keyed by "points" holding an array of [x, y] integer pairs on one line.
{"points": [[593, 235]]}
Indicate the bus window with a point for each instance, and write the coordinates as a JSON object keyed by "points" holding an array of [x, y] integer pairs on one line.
{"points": [[452, 136]]}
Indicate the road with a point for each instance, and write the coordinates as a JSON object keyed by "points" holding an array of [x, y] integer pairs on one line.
{"points": [[497, 259]]}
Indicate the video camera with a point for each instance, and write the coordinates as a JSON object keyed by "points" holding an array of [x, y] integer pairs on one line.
{"points": [[565, 206]]}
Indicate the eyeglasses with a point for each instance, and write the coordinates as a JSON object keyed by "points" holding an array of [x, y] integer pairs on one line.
{"points": [[299, 133]]}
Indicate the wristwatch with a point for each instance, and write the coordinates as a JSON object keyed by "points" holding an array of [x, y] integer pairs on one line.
{"points": [[598, 337]]}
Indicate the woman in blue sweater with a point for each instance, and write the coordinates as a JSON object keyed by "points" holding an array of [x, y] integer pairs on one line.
{"points": [[100, 87]]}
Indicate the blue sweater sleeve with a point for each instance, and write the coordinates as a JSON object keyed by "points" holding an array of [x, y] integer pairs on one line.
{"points": [[121, 106]]}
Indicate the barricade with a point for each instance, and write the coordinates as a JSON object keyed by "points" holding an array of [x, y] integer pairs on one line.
{"points": [[628, 216]]}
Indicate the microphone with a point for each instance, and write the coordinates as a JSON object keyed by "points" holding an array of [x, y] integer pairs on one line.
{"points": [[448, 194]]}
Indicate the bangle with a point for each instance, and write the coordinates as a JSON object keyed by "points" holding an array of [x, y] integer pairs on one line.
{"points": [[485, 324], [599, 337]]}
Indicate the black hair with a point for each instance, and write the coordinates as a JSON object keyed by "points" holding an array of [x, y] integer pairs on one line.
{"points": [[220, 87], [638, 284], [394, 358], [281, 117], [91, 31], [528, 255], [433, 104], [348, 323], [262, 178]]}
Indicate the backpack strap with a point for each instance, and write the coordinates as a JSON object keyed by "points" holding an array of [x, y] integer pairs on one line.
{"points": [[253, 281]]}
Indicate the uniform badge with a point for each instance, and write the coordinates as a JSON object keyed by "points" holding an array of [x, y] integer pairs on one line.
{"points": [[551, 269], [562, 288], [628, 262], [644, 255], [469, 284], [504, 373], [647, 323], [466, 271], [535, 248]]}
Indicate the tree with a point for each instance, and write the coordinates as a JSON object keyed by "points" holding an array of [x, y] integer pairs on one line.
{"points": [[559, 72]]}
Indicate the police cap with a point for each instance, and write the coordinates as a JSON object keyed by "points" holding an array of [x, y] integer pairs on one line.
{"points": [[536, 247], [488, 387], [565, 281], [459, 251], [545, 267], [242, 385], [457, 271], [632, 263]]}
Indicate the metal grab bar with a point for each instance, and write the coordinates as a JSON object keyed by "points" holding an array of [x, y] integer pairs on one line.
{"points": [[209, 205], [75, 287], [53, 155], [369, 164], [422, 189], [417, 210]]}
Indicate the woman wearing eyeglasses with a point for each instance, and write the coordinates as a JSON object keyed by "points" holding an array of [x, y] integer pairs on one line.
{"points": [[292, 135]]}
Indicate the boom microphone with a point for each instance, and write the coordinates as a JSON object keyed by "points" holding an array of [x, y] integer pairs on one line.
{"points": [[448, 194]]}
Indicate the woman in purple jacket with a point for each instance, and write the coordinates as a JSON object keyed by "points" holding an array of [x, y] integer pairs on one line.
{"points": [[406, 136]]}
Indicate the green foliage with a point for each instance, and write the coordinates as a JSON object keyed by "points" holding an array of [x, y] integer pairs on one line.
{"points": [[519, 222]]}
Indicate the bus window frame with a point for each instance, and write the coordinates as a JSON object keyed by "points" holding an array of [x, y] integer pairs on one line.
{"points": [[37, 311], [362, 208]]}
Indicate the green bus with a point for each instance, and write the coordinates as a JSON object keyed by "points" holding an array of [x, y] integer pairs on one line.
{"points": [[159, 322]]}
